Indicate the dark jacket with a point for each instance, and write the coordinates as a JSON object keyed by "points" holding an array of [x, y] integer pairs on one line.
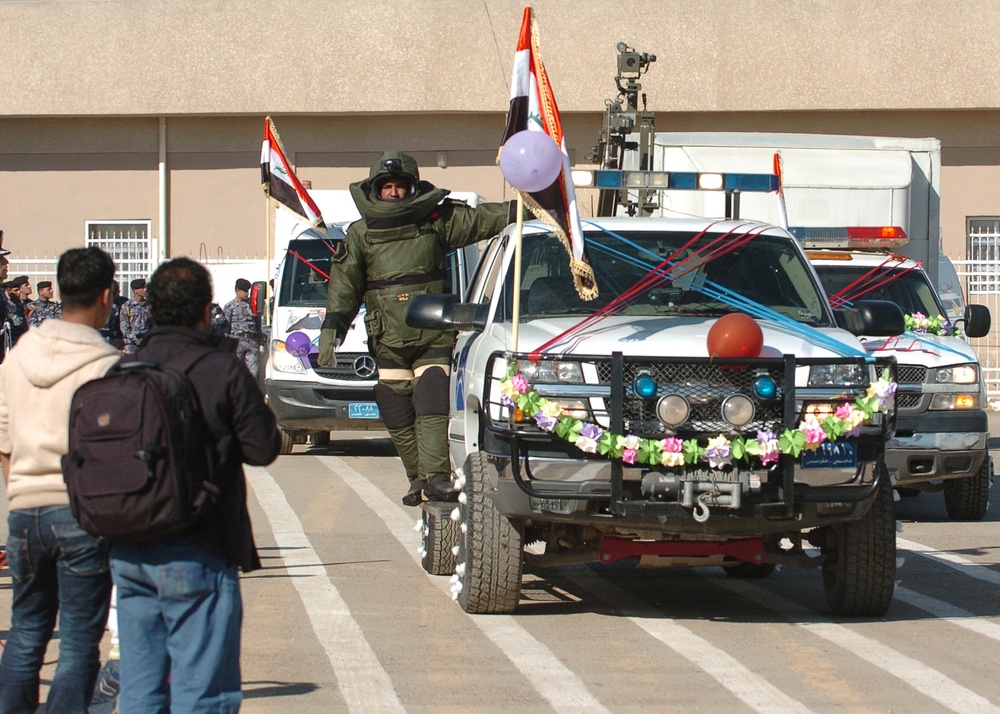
{"points": [[242, 428]]}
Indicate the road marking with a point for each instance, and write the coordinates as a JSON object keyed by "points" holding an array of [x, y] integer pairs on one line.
{"points": [[747, 686], [929, 682], [552, 679], [962, 565], [361, 679], [951, 613]]}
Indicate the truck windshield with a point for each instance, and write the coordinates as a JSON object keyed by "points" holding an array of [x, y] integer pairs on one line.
{"points": [[706, 275], [909, 289], [304, 275]]}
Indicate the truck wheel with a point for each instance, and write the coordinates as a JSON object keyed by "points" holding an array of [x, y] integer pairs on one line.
{"points": [[440, 535], [287, 442], [859, 558], [749, 571], [491, 550], [967, 498]]}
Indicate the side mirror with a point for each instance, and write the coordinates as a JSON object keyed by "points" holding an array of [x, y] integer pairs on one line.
{"points": [[873, 318], [977, 321], [445, 312], [258, 298]]}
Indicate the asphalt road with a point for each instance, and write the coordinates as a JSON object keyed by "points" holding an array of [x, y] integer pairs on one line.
{"points": [[342, 617]]}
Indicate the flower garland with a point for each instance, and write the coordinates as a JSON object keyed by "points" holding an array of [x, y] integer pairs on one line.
{"points": [[918, 322], [767, 446]]}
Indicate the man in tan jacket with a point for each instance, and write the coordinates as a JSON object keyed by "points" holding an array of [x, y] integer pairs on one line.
{"points": [[55, 566]]}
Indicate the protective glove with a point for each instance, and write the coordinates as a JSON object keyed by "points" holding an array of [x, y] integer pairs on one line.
{"points": [[328, 344]]}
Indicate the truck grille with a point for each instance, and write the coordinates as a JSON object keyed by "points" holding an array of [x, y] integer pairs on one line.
{"points": [[705, 386], [911, 374]]}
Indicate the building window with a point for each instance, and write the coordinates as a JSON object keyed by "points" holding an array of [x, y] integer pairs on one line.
{"points": [[129, 244]]}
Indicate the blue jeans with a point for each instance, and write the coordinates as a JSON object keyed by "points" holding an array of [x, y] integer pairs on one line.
{"points": [[55, 567], [179, 619]]}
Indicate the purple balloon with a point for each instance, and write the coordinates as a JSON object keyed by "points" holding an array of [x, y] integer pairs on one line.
{"points": [[297, 344], [530, 161]]}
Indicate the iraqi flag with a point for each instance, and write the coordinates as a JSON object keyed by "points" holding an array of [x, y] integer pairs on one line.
{"points": [[281, 183], [533, 107]]}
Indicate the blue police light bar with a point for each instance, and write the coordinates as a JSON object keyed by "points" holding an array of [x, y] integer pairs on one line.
{"points": [[675, 180]]}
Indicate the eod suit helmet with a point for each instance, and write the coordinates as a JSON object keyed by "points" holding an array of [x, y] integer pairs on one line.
{"points": [[394, 165]]}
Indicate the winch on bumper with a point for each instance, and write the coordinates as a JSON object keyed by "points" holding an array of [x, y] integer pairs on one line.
{"points": [[547, 478]]}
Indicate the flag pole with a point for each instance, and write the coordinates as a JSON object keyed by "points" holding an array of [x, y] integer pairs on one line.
{"points": [[518, 228], [267, 258]]}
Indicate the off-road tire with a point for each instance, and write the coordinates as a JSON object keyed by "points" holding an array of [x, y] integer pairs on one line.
{"points": [[966, 499], [859, 558], [440, 535], [749, 571], [491, 551], [287, 442]]}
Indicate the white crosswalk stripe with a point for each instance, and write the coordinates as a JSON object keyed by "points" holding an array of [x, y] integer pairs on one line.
{"points": [[562, 688], [362, 681]]}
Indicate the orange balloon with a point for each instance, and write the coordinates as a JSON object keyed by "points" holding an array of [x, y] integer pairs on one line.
{"points": [[735, 335]]}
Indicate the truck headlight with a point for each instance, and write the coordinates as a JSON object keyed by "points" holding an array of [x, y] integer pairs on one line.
{"points": [[955, 401], [282, 361], [959, 374], [838, 375], [551, 371]]}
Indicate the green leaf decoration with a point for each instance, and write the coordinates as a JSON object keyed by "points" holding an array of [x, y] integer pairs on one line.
{"points": [[692, 452], [568, 428], [650, 452], [529, 403], [753, 447], [738, 448], [791, 442], [611, 445], [834, 427]]}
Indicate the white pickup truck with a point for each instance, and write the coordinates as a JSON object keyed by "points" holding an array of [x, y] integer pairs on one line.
{"points": [[613, 429], [941, 427]]}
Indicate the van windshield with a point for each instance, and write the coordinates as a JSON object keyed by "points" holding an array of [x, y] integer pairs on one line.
{"points": [[306, 271]]}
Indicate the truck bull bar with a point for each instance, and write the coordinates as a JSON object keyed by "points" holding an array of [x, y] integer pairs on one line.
{"points": [[871, 441]]}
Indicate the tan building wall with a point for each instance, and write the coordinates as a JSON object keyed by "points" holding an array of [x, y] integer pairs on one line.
{"points": [[86, 84]]}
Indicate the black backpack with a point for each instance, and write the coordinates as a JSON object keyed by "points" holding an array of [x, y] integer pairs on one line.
{"points": [[140, 461]]}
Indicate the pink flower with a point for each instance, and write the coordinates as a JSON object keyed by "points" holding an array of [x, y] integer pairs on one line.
{"points": [[520, 383], [813, 431], [672, 445], [628, 456]]}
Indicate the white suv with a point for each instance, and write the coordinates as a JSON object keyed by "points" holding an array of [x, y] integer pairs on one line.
{"points": [[612, 430]]}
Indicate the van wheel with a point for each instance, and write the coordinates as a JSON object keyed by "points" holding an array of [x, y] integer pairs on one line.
{"points": [[859, 557], [966, 499], [491, 550], [287, 442], [439, 535]]}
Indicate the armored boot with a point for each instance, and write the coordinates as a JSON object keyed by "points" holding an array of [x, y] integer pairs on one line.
{"points": [[396, 405], [432, 444]]}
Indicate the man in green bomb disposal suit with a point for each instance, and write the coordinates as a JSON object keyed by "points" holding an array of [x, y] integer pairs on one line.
{"points": [[398, 250]]}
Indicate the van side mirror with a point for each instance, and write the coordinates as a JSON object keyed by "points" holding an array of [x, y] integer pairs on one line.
{"points": [[258, 298], [445, 312], [977, 321], [872, 318]]}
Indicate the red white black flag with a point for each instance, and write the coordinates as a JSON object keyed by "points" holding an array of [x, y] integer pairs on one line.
{"points": [[533, 107], [281, 183]]}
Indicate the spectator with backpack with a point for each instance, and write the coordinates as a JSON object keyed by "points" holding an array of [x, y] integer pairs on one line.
{"points": [[55, 566], [179, 604]]}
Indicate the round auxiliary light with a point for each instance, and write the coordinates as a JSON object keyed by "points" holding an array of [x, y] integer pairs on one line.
{"points": [[765, 387], [673, 409], [738, 410], [644, 386]]}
